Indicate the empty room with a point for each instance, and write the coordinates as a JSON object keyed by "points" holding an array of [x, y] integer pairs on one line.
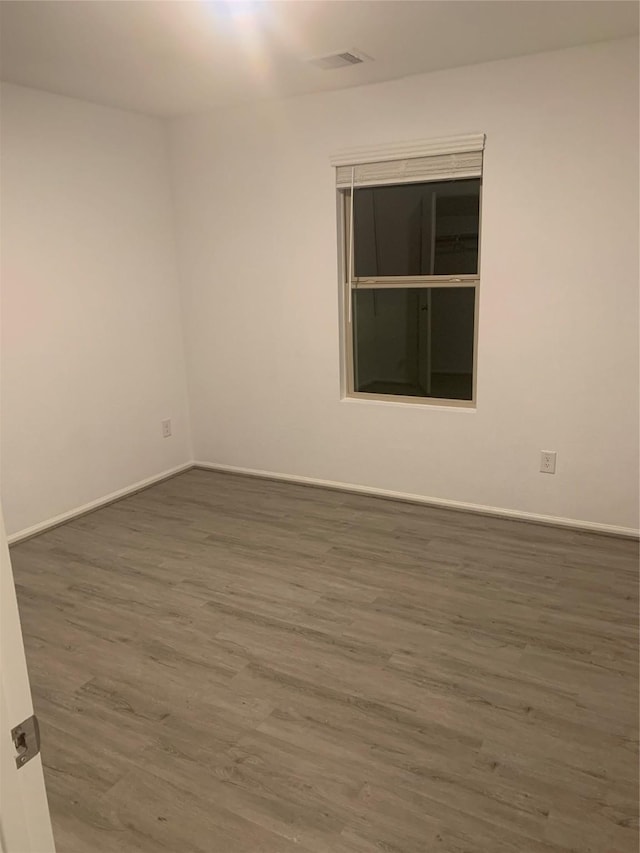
{"points": [[319, 426]]}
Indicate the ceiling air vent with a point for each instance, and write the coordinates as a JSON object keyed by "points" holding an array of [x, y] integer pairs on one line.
{"points": [[340, 60]]}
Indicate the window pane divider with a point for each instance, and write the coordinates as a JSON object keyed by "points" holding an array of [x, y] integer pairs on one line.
{"points": [[379, 282]]}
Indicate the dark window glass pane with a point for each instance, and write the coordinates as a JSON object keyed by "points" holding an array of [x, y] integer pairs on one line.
{"points": [[414, 342], [456, 228], [417, 229]]}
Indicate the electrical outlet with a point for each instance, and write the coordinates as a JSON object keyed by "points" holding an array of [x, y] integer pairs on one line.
{"points": [[548, 461], [166, 428]]}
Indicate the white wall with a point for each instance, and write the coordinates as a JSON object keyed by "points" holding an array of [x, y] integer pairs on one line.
{"points": [[92, 355], [558, 344]]}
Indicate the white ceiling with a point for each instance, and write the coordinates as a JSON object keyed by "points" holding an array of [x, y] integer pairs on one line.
{"points": [[170, 57]]}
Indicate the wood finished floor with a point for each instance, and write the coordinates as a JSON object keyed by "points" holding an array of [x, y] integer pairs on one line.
{"points": [[228, 664]]}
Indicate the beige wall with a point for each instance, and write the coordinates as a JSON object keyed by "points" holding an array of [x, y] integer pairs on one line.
{"points": [[558, 336], [92, 355]]}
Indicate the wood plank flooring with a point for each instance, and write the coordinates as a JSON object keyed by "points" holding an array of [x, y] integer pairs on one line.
{"points": [[228, 664]]}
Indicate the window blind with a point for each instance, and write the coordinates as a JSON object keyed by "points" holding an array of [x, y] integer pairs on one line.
{"points": [[411, 162]]}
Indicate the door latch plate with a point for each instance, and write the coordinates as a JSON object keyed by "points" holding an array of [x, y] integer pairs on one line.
{"points": [[26, 739]]}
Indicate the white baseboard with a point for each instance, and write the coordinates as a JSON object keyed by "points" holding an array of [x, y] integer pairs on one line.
{"points": [[480, 509], [28, 532]]}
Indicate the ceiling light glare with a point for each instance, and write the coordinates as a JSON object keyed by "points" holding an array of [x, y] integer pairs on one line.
{"points": [[235, 10]]}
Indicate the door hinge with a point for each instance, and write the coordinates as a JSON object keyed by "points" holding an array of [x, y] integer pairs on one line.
{"points": [[26, 739]]}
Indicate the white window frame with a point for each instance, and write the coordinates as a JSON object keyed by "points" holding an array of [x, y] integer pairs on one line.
{"points": [[403, 159]]}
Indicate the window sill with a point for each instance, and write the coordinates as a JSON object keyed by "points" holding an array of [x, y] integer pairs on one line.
{"points": [[467, 406]]}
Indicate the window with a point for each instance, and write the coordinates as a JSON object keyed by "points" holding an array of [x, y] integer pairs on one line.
{"points": [[411, 238]]}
